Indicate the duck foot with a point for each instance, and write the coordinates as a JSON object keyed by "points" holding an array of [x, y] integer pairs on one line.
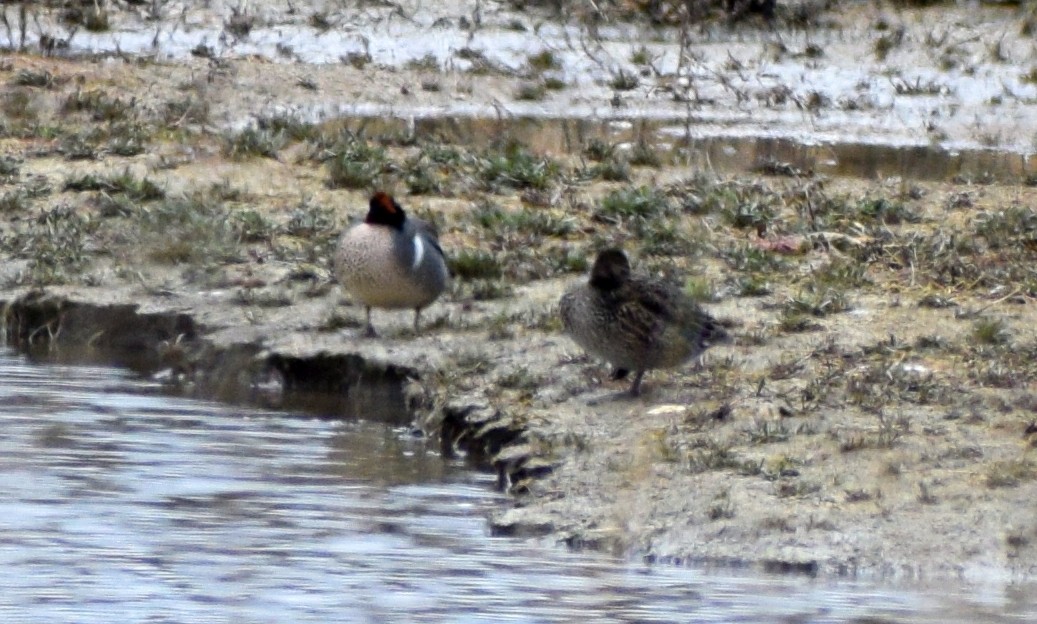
{"points": [[610, 397]]}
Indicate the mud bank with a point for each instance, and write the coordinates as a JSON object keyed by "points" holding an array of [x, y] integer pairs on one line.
{"points": [[682, 476], [356, 379]]}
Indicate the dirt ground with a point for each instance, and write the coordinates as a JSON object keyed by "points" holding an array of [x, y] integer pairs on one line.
{"points": [[874, 414]]}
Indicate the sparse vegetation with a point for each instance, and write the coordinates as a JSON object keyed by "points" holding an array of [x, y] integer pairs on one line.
{"points": [[888, 325], [194, 230], [354, 163], [516, 168], [136, 189], [253, 141], [632, 204], [473, 265]]}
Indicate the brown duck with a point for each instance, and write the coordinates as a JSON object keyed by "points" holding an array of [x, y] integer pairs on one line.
{"points": [[636, 322]]}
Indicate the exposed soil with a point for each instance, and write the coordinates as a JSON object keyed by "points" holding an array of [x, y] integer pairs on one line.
{"points": [[873, 416]]}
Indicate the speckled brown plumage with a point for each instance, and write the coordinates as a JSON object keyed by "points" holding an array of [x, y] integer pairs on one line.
{"points": [[391, 261], [634, 321]]}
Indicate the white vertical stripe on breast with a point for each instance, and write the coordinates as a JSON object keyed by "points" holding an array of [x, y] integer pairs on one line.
{"points": [[419, 253]]}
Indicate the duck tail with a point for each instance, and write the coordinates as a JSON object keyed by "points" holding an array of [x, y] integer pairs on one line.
{"points": [[711, 332]]}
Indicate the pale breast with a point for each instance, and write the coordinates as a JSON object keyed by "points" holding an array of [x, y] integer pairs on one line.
{"points": [[368, 263]]}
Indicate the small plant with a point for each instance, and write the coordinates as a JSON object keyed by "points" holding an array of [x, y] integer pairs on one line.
{"points": [[252, 227], [527, 221], [473, 264], [320, 21], [817, 302], [358, 60], [79, 146], [721, 507], [531, 92], [889, 41], [314, 224], [42, 79], [794, 322], [309, 221], [13, 202], [1007, 228], [427, 63], [189, 110], [765, 432], [641, 56], [93, 18], [290, 128], [514, 167], [633, 203], [598, 150], [753, 286], [570, 261], [57, 245], [252, 142], [488, 289], [136, 189], [624, 81], [713, 455], [434, 170], [931, 87], [751, 259], [841, 273], [239, 24], [8, 167], [1010, 473], [96, 19], [127, 139], [520, 379], [663, 237], [885, 211], [990, 331], [890, 430], [645, 155], [751, 215], [191, 230], [355, 163], [17, 105], [542, 61], [612, 170]]}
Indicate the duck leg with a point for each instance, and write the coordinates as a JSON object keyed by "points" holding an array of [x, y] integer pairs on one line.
{"points": [[635, 388], [369, 331], [417, 319]]}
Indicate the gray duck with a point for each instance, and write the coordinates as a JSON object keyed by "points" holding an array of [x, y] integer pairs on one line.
{"points": [[391, 261]]}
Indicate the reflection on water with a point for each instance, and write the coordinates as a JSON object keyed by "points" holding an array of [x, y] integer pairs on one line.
{"points": [[119, 504]]}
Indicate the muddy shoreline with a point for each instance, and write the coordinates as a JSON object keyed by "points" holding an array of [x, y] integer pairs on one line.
{"points": [[875, 413], [194, 355], [587, 476]]}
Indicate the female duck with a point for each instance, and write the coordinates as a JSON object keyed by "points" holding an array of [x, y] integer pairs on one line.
{"points": [[634, 321]]}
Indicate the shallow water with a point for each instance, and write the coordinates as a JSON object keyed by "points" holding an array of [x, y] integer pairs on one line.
{"points": [[120, 504], [958, 79]]}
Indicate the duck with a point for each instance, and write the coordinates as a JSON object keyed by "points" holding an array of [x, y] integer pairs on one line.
{"points": [[635, 322], [391, 261]]}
